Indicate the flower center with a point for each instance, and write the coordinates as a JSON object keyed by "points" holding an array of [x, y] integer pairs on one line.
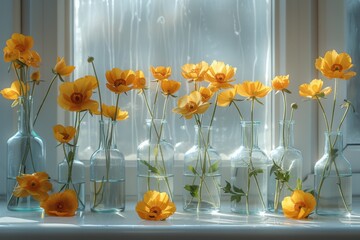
{"points": [[65, 136], [299, 205], [154, 212], [119, 82], [336, 67], [191, 106], [33, 184], [220, 77], [77, 98], [60, 206]]}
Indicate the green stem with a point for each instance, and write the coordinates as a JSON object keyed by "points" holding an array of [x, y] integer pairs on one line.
{"points": [[99, 92], [43, 101], [334, 104], [238, 110]]}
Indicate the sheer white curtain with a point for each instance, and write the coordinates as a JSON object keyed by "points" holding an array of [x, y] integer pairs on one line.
{"points": [[137, 34]]}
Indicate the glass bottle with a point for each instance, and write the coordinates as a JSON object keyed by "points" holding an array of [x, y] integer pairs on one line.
{"points": [[71, 174], [287, 167], [107, 173], [202, 176], [155, 161], [249, 172], [25, 155], [333, 178]]}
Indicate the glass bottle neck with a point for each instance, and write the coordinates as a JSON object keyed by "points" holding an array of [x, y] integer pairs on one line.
{"points": [[250, 134], [286, 134], [333, 141], [25, 118], [203, 136], [71, 152], [156, 129], [107, 134]]}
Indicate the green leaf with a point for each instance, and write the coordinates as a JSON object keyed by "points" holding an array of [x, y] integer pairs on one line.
{"points": [[227, 188], [193, 189], [236, 198], [287, 90], [151, 168], [193, 170], [238, 190], [255, 172], [214, 167]]}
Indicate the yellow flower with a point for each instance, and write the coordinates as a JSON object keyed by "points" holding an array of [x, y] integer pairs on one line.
{"points": [[139, 81], [20, 42], [250, 89], [62, 69], [31, 58], [15, 91], [195, 72], [226, 97], [35, 77], [220, 75], [280, 83], [155, 206], [314, 89], [36, 185], [109, 111], [299, 205], [169, 87], [75, 96], [11, 54], [64, 134], [160, 72], [119, 81], [335, 65], [206, 94], [62, 204], [189, 105]]}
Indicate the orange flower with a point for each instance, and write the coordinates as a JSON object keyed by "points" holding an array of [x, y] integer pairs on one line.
{"points": [[139, 81], [36, 185], [155, 206], [206, 94], [160, 72], [62, 204], [195, 72], [189, 105], [280, 83], [62, 69], [35, 77], [169, 87], [20, 42], [226, 97], [31, 58], [335, 65], [75, 96], [15, 91], [250, 89], [64, 134], [220, 75], [314, 89], [119, 81], [109, 111], [299, 205]]}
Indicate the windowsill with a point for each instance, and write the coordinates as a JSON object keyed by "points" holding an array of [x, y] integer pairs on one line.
{"points": [[127, 225]]}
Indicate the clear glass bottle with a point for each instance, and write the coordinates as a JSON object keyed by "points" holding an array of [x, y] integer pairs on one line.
{"points": [[202, 175], [155, 161], [250, 172], [107, 173], [333, 178], [71, 175], [287, 164], [25, 155]]}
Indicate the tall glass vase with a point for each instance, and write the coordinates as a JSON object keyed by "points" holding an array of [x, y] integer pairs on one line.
{"points": [[155, 161], [333, 178], [202, 176], [25, 155], [286, 168], [71, 175], [107, 173], [249, 172]]}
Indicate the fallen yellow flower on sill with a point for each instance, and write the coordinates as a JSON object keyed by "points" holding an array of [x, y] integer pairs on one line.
{"points": [[155, 206], [299, 205], [62, 204]]}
